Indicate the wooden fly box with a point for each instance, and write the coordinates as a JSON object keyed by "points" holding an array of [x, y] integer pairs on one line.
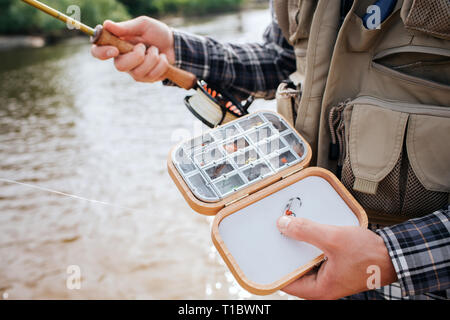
{"points": [[248, 173]]}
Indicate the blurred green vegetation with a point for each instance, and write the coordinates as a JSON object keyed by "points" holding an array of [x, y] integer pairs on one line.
{"points": [[191, 7], [18, 17]]}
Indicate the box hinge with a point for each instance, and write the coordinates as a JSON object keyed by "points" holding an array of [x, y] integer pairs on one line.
{"points": [[291, 173], [236, 200]]}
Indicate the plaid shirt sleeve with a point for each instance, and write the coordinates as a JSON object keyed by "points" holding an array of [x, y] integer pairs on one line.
{"points": [[244, 69], [420, 252]]}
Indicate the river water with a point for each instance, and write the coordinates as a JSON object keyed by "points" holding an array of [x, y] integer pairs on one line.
{"points": [[83, 182]]}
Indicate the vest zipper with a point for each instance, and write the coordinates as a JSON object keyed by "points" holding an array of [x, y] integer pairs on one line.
{"points": [[407, 107]]}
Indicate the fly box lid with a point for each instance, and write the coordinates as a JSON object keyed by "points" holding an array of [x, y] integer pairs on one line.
{"points": [[248, 173]]}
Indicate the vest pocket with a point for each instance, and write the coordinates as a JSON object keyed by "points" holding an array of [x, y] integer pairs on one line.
{"points": [[301, 13], [361, 39], [430, 17], [427, 66], [396, 156]]}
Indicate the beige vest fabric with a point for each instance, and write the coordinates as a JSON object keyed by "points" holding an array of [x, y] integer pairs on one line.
{"points": [[382, 96]]}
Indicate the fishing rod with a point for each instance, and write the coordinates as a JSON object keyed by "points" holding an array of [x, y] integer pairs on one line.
{"points": [[211, 104], [102, 37]]}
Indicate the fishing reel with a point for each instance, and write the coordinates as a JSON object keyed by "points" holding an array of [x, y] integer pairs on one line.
{"points": [[215, 106]]}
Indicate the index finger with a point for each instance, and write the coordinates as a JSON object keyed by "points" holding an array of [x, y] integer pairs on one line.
{"points": [[305, 287], [133, 27]]}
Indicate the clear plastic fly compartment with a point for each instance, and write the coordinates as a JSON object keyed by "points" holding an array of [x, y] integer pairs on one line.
{"points": [[257, 171], [230, 183], [197, 144], [293, 152], [226, 132], [189, 157], [269, 146], [198, 183], [283, 147], [219, 169], [261, 133], [251, 122], [245, 157], [278, 123], [296, 144], [183, 161], [205, 156], [201, 188], [235, 144]]}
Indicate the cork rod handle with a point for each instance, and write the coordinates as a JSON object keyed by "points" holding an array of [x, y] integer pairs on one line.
{"points": [[102, 37]]}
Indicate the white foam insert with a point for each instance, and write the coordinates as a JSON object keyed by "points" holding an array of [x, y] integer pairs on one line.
{"points": [[251, 235]]}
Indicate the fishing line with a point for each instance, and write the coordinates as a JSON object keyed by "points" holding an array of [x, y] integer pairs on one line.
{"points": [[73, 196], [64, 194]]}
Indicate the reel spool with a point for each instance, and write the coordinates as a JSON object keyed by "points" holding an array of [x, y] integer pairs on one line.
{"points": [[214, 106]]}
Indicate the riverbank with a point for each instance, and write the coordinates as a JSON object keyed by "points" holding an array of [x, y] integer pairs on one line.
{"points": [[14, 42]]}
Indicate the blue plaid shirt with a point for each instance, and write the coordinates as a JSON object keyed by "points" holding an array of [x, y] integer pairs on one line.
{"points": [[243, 69], [419, 248]]}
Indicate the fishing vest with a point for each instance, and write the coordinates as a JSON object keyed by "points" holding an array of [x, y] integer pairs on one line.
{"points": [[374, 104]]}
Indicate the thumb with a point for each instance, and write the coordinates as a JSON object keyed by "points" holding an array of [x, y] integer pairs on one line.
{"points": [[319, 235], [134, 27]]}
